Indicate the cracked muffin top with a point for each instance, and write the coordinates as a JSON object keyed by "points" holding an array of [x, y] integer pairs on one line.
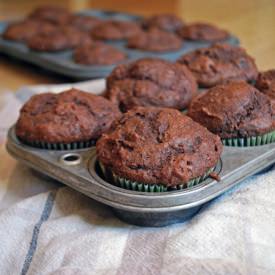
{"points": [[266, 83], [202, 32], [220, 63], [115, 30], [151, 82], [54, 14], [67, 117], [233, 110], [166, 22], [98, 53], [62, 38], [22, 31], [158, 145], [84, 22], [155, 40]]}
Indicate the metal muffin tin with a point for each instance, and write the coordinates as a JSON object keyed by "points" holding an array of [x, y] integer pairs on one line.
{"points": [[79, 170], [62, 62]]}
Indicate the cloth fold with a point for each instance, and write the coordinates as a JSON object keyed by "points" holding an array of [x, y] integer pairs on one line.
{"points": [[48, 228]]}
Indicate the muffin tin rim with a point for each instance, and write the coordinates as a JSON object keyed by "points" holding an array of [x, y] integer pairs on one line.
{"points": [[135, 201], [92, 162]]}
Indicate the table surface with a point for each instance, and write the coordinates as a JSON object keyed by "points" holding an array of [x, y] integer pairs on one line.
{"points": [[253, 21]]}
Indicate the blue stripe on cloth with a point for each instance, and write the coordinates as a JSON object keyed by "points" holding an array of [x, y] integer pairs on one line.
{"points": [[33, 244]]}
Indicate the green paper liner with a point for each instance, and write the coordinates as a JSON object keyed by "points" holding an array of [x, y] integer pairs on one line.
{"points": [[184, 111], [145, 187], [60, 146], [250, 141]]}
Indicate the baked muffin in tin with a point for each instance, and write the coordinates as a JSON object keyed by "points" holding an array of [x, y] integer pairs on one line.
{"points": [[157, 149], [63, 38], [266, 84], [155, 40], [22, 31], [115, 30], [51, 13], [237, 112], [202, 32], [151, 82], [98, 53], [220, 63], [84, 22], [166, 22], [69, 120]]}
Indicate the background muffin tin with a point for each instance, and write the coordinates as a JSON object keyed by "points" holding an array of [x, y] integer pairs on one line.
{"points": [[79, 170], [62, 62]]}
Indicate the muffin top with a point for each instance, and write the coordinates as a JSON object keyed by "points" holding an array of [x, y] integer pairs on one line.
{"points": [[202, 32], [233, 110], [65, 37], [54, 14], [155, 40], [22, 31], [115, 30], [98, 53], [158, 145], [151, 82], [84, 22], [266, 83], [67, 117], [166, 22], [220, 63]]}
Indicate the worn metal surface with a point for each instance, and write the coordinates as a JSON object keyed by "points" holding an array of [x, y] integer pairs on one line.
{"points": [[147, 209]]}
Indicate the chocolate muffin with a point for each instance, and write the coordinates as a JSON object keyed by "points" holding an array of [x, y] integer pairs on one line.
{"points": [[155, 40], [202, 32], [236, 112], [115, 30], [157, 149], [84, 23], [54, 14], [22, 31], [166, 22], [71, 119], [266, 83], [75, 36], [63, 38], [98, 53], [220, 63], [151, 82]]}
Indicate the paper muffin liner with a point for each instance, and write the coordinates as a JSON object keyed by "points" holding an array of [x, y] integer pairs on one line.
{"points": [[250, 141], [60, 146], [184, 111], [145, 187]]}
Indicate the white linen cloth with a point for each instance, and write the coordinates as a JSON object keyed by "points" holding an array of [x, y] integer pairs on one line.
{"points": [[48, 228]]}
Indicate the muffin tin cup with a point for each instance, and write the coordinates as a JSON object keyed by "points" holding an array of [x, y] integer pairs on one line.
{"points": [[250, 141], [144, 187], [61, 146], [79, 170]]}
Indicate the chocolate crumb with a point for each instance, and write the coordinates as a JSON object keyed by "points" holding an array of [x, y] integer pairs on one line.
{"points": [[215, 176]]}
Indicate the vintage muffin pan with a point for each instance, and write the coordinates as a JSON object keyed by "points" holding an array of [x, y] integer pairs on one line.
{"points": [[79, 169], [62, 62]]}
